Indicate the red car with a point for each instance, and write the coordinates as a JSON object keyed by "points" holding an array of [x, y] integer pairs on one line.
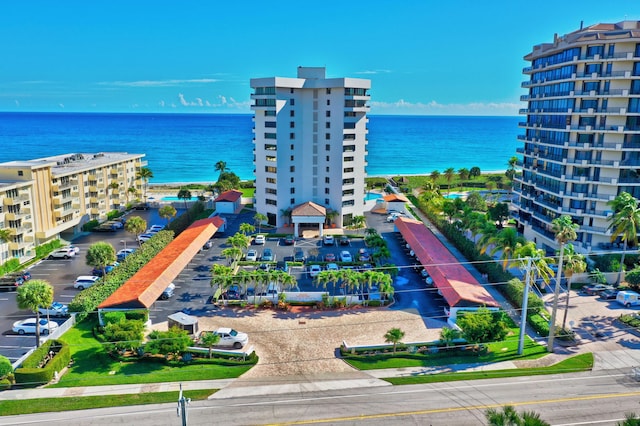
{"points": [[330, 257]]}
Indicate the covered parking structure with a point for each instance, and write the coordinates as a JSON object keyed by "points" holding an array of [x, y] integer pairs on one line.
{"points": [[145, 286], [454, 282]]}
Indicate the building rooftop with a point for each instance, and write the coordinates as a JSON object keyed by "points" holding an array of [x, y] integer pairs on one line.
{"points": [[69, 163]]}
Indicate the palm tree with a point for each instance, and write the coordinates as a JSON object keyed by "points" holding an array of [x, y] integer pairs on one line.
{"points": [[131, 191], [624, 223], [259, 218], [221, 166], [210, 339], [185, 195], [435, 175], [167, 212], [463, 173], [394, 336], [565, 231], [221, 276], [448, 335], [32, 295], [113, 186], [510, 417], [247, 228], [574, 264], [145, 174], [358, 222], [385, 283], [135, 225], [506, 241], [449, 174], [232, 253], [5, 235]]}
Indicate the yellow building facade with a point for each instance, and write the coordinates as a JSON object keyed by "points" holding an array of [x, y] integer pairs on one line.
{"points": [[43, 198]]}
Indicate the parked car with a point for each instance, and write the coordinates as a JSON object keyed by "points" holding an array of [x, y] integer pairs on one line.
{"points": [[155, 228], [85, 281], [104, 227], [122, 254], [628, 298], [264, 267], [141, 206], [207, 245], [344, 240], [363, 255], [332, 267], [252, 255], [289, 240], [29, 326], [145, 237], [393, 216], [98, 271], [168, 292], [298, 255], [329, 257], [314, 270], [76, 249], [231, 337], [328, 240], [345, 256], [260, 240], [232, 293], [595, 289], [63, 253], [56, 309], [268, 256], [609, 294], [282, 266], [115, 224]]}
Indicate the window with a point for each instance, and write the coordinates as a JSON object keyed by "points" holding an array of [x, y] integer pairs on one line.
{"points": [[292, 124], [292, 113], [290, 90], [270, 202], [348, 192], [349, 114], [326, 201], [292, 147], [271, 158], [292, 169], [326, 191], [328, 91], [271, 180], [292, 136], [20, 173], [327, 169], [348, 159], [348, 170], [327, 125], [348, 203], [270, 169], [292, 179], [327, 136], [291, 158], [327, 180], [292, 190], [293, 201], [292, 101], [349, 181], [269, 113], [349, 148], [270, 136], [328, 159], [328, 113], [327, 147], [270, 124], [269, 147], [328, 102], [271, 191]]}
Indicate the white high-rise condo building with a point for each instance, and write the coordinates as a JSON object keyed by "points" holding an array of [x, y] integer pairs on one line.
{"points": [[310, 145], [581, 134]]}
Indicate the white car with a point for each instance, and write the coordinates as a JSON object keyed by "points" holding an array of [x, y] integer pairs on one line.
{"points": [[145, 237], [231, 337], [314, 270], [154, 229], [29, 326], [115, 224], [345, 256], [260, 239], [328, 240], [122, 254], [393, 216], [76, 249], [252, 255], [85, 281], [63, 253], [332, 267], [56, 309]]}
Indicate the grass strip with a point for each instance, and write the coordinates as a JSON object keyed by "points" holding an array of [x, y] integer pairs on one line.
{"points": [[578, 363], [47, 405]]}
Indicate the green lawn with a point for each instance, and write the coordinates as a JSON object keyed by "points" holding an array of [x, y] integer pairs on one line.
{"points": [[47, 405], [506, 350], [583, 362], [94, 367]]}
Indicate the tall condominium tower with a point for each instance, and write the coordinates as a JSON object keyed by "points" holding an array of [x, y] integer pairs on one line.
{"points": [[581, 134], [310, 144]]}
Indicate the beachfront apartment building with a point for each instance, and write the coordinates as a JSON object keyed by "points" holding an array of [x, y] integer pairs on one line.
{"points": [[581, 141], [310, 144], [43, 198]]}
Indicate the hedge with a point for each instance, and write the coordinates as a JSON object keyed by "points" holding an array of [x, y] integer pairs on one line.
{"points": [[183, 221], [31, 375], [9, 266], [44, 249], [88, 300]]}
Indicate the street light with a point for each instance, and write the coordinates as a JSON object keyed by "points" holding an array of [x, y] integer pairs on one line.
{"points": [[125, 243]]}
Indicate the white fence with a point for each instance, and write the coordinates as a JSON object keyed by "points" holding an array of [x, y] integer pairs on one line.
{"points": [[63, 328]]}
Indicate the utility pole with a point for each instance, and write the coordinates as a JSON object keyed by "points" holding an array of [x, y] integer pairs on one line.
{"points": [[554, 311], [182, 407], [525, 302]]}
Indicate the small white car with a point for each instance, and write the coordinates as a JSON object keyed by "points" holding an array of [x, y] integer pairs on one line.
{"points": [[29, 326], [260, 239], [332, 267], [76, 249], [328, 240], [56, 309], [314, 270], [252, 255], [85, 281], [145, 237], [393, 216], [345, 256], [63, 253], [122, 254], [231, 337], [154, 229]]}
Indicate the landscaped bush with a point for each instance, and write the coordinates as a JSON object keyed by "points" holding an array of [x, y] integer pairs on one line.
{"points": [[113, 317], [539, 324], [9, 266], [88, 300], [44, 249], [630, 319], [514, 292], [5, 367], [32, 374], [139, 315], [114, 214], [183, 221], [88, 227]]}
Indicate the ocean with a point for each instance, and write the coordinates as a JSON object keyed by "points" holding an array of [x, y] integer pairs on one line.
{"points": [[185, 147]]}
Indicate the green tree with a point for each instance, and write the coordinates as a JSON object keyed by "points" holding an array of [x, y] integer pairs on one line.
{"points": [[511, 170], [259, 219], [448, 335], [506, 242], [482, 326], [32, 295], [624, 223], [499, 213], [463, 173], [221, 167], [5, 235], [247, 228], [167, 212], [565, 231], [232, 253], [474, 172], [358, 222], [394, 336], [101, 254], [510, 417], [135, 225], [124, 334], [476, 202], [435, 175], [168, 343], [449, 174], [575, 263], [145, 174], [131, 191], [209, 339], [185, 195], [5, 367], [227, 181]]}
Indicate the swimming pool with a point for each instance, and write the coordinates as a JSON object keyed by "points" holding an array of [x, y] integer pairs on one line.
{"points": [[177, 199], [453, 196], [372, 196]]}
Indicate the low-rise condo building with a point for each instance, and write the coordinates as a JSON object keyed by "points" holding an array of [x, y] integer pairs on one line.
{"points": [[581, 134], [310, 145], [43, 198]]}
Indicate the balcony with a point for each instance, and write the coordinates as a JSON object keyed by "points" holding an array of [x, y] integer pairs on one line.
{"points": [[10, 201], [94, 211], [13, 245], [21, 214]]}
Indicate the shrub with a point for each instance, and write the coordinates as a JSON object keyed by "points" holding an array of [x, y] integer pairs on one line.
{"points": [[113, 317], [5, 384], [44, 249], [5, 367], [139, 315], [9, 266], [123, 335], [88, 227], [539, 324], [183, 221]]}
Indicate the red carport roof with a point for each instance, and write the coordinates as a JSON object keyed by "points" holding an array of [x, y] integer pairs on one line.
{"points": [[455, 282], [145, 286], [231, 195]]}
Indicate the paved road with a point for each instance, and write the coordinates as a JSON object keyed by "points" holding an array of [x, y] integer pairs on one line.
{"points": [[571, 399]]}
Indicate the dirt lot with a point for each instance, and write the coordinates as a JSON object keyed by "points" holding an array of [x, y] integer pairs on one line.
{"points": [[304, 341]]}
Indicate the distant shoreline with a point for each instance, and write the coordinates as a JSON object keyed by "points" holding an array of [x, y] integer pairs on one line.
{"points": [[179, 184]]}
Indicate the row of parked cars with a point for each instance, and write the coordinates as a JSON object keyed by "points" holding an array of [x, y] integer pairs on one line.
{"points": [[627, 298]]}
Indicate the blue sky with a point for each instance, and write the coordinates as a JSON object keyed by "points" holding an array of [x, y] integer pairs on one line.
{"points": [[454, 57]]}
